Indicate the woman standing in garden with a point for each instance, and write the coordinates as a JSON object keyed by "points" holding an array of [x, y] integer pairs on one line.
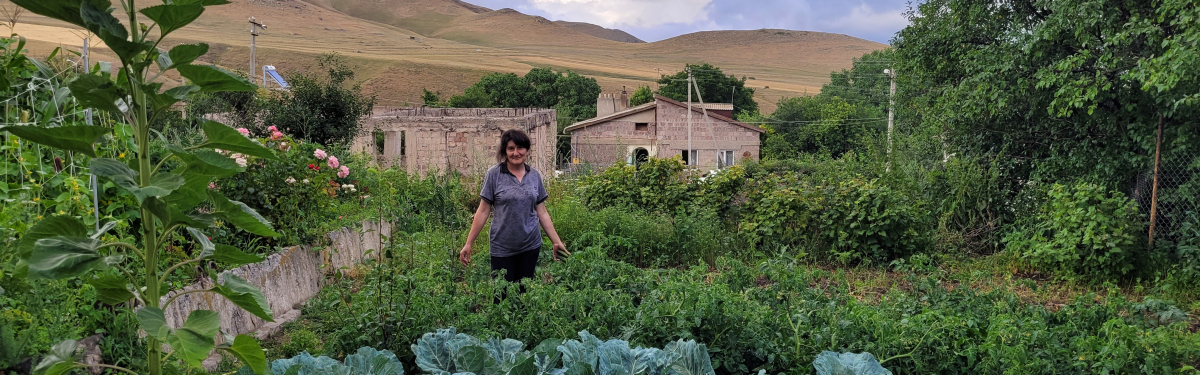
{"points": [[516, 193]]}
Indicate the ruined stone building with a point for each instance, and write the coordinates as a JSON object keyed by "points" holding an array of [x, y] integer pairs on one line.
{"points": [[660, 129], [422, 140]]}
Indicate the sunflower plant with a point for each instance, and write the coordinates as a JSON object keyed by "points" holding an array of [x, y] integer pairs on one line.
{"points": [[173, 197]]}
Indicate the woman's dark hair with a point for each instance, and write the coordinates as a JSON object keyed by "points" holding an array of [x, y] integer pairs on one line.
{"points": [[516, 136]]}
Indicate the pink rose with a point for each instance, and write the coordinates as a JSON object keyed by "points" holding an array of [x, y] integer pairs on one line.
{"points": [[276, 135], [320, 154], [241, 162], [332, 162], [213, 185], [244, 131], [272, 128], [343, 172]]}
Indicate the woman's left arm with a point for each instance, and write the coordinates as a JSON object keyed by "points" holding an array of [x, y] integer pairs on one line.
{"points": [[548, 226]]}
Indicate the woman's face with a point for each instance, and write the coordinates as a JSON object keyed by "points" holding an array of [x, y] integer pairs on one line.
{"points": [[516, 154]]}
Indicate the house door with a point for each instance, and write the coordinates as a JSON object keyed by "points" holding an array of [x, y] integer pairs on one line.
{"points": [[640, 156]]}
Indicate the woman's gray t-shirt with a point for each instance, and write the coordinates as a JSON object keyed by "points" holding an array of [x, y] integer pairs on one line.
{"points": [[515, 225]]}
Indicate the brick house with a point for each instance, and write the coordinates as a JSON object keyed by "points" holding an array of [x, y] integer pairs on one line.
{"points": [[660, 129]]}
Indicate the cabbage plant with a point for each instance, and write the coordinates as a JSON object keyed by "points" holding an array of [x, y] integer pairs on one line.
{"points": [[832, 363], [367, 361], [447, 352]]}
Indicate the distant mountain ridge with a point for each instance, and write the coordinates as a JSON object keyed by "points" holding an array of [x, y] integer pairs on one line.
{"points": [[601, 32], [401, 47]]}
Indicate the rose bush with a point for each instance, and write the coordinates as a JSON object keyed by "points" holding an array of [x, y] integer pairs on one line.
{"points": [[296, 189]]}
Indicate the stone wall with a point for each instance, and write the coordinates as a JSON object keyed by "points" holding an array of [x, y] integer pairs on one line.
{"points": [[288, 279], [423, 140]]}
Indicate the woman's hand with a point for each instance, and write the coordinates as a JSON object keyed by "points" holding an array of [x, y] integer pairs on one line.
{"points": [[558, 246], [464, 255]]}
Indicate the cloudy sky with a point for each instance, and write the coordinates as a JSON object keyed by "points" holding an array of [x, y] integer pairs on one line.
{"points": [[653, 20]]}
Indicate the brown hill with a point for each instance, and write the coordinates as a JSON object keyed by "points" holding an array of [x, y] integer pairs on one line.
{"points": [[600, 32], [397, 62]]}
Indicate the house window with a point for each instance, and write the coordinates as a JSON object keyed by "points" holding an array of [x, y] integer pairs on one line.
{"points": [[641, 126], [726, 159], [688, 160]]}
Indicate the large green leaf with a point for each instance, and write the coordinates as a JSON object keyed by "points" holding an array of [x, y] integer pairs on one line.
{"points": [[233, 257], [185, 54], [154, 322], [246, 296], [214, 79], [100, 20], [71, 138], [63, 10], [193, 342], [63, 257], [111, 289], [59, 360], [241, 215], [160, 185], [224, 137], [192, 193], [158, 101], [206, 245], [97, 92], [171, 17], [206, 162], [247, 350], [171, 215], [471, 358], [58, 225]]}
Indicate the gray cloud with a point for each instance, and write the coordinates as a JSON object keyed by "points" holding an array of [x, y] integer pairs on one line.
{"points": [[653, 20]]}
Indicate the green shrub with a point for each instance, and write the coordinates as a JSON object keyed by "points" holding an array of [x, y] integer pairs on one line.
{"points": [[299, 341], [656, 185], [1080, 230], [851, 220]]}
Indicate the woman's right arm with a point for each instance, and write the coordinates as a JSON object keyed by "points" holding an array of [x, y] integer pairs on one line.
{"points": [[481, 218]]}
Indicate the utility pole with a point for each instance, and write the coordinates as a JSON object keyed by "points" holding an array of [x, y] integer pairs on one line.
{"points": [[254, 25], [87, 118], [688, 154], [891, 117], [712, 133]]}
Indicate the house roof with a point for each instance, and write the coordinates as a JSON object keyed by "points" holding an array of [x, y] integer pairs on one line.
{"points": [[652, 105], [710, 114], [714, 106], [613, 116]]}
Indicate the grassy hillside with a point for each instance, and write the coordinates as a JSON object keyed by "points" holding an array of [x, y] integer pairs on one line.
{"points": [[445, 45]]}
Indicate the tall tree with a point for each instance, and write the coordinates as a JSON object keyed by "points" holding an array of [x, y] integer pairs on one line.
{"points": [[1061, 89], [641, 96], [715, 86], [327, 109]]}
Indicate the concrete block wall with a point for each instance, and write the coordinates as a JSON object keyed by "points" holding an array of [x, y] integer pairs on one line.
{"points": [[459, 139], [288, 279]]}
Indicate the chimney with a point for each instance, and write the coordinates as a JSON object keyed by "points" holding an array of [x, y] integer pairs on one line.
{"points": [[606, 105], [624, 103]]}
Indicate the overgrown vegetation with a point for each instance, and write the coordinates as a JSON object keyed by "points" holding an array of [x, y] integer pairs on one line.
{"points": [[1000, 227]]}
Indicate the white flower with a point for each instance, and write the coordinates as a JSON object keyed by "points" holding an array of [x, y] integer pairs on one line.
{"points": [[241, 162], [305, 181], [290, 180], [348, 186]]}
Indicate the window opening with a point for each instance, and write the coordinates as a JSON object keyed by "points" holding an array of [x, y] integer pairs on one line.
{"points": [[641, 126]]}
